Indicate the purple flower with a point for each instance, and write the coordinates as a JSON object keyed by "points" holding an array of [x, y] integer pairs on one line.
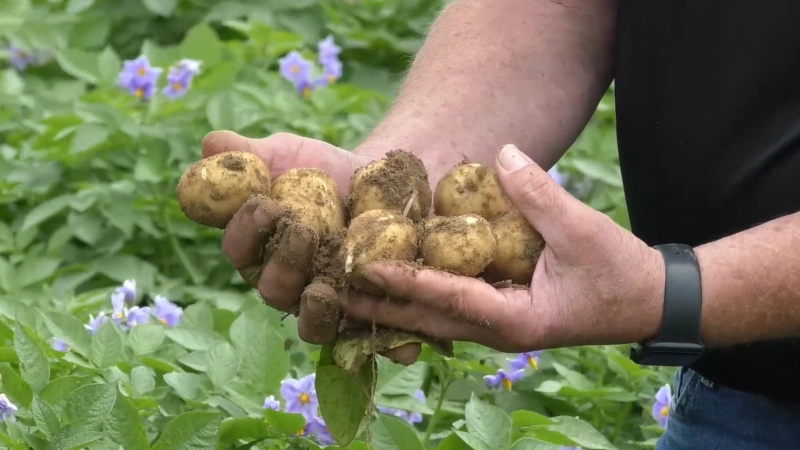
{"points": [[504, 379], [59, 345], [526, 359], [137, 315], [661, 405], [316, 426], [301, 395], [180, 77], [124, 294], [295, 68], [411, 417], [556, 175], [7, 409], [331, 71], [139, 77], [167, 312], [20, 58], [96, 322], [271, 403], [328, 50]]}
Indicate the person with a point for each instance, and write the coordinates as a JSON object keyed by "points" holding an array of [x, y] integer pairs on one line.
{"points": [[708, 123]]}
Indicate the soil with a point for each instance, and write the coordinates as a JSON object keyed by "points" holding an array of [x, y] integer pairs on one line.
{"points": [[398, 176], [319, 314]]}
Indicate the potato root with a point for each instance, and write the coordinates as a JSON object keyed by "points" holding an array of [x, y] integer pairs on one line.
{"points": [[519, 246], [377, 235], [470, 189], [390, 184], [462, 245], [312, 197], [211, 190]]}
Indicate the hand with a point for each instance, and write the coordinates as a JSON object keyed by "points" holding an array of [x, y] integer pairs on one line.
{"points": [[279, 282], [594, 283]]}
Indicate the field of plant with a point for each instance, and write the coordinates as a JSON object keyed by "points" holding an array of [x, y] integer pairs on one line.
{"points": [[121, 323]]}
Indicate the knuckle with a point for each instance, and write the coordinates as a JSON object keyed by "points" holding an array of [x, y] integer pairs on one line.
{"points": [[536, 191]]}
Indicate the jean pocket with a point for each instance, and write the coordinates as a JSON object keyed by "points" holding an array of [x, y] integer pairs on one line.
{"points": [[686, 385]]}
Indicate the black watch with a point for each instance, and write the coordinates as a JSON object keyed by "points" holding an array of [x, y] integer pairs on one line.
{"points": [[678, 342]]}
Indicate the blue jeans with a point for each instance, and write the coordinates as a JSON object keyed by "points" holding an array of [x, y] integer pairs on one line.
{"points": [[706, 416]]}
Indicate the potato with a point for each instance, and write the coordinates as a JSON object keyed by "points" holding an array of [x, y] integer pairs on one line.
{"points": [[313, 197], [373, 236], [519, 246], [470, 189], [213, 189], [463, 245], [390, 184]]}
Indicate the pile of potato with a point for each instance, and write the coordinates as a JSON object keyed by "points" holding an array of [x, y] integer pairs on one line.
{"points": [[475, 230]]}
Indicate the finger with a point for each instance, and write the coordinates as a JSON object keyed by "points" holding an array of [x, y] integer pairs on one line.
{"points": [[246, 234], [408, 316], [545, 204], [318, 320], [285, 275], [463, 299]]}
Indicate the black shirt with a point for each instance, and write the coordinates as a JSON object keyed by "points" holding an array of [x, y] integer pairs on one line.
{"points": [[708, 117]]}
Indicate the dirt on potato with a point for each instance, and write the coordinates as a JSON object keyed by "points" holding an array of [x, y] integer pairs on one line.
{"points": [[465, 243], [393, 180], [328, 263]]}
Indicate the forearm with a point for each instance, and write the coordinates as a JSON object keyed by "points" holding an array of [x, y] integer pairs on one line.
{"points": [[493, 72], [751, 284]]}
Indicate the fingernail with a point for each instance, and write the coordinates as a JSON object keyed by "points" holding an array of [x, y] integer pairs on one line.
{"points": [[512, 159]]}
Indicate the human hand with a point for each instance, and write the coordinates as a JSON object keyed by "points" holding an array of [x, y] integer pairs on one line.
{"points": [[595, 283], [284, 277]]}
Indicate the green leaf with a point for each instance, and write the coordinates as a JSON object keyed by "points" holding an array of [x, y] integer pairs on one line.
{"points": [[32, 363], [452, 442], [161, 7], [193, 338], [343, 399], [57, 391], [146, 338], [74, 437], [222, 364], [599, 170], [78, 63], [106, 345], [125, 426], [34, 270], [581, 432], [91, 403], [285, 422], [143, 381], [45, 418], [89, 135], [534, 444], [109, 65], [76, 6], [198, 315], [45, 210], [522, 418], [190, 431], [70, 330], [15, 387], [392, 433], [221, 112], [488, 423], [264, 362], [245, 428], [203, 44], [187, 385]]}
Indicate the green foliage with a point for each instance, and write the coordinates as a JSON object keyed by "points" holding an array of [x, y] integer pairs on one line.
{"points": [[87, 201]]}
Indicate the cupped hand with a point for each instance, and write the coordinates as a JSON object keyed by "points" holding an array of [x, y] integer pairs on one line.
{"points": [[283, 279], [595, 283]]}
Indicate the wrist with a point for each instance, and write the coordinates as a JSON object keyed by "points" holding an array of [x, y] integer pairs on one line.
{"points": [[652, 295]]}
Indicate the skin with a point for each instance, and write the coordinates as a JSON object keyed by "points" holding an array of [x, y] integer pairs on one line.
{"points": [[595, 282]]}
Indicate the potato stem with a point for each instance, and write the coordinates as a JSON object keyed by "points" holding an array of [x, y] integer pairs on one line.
{"points": [[410, 202]]}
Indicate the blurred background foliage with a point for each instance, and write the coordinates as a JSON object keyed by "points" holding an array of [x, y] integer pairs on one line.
{"points": [[88, 172]]}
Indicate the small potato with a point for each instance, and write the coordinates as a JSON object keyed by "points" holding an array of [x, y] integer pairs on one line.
{"points": [[305, 214], [389, 184], [315, 188], [463, 245], [213, 189], [405, 355], [373, 236], [518, 248], [470, 189]]}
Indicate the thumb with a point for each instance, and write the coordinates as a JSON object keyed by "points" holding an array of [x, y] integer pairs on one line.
{"points": [[545, 204], [223, 141]]}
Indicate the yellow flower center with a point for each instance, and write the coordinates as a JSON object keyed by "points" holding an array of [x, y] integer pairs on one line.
{"points": [[295, 69], [163, 321], [177, 86], [665, 411], [306, 91], [331, 78], [142, 71], [533, 362], [304, 398], [301, 432], [507, 384], [139, 92]]}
